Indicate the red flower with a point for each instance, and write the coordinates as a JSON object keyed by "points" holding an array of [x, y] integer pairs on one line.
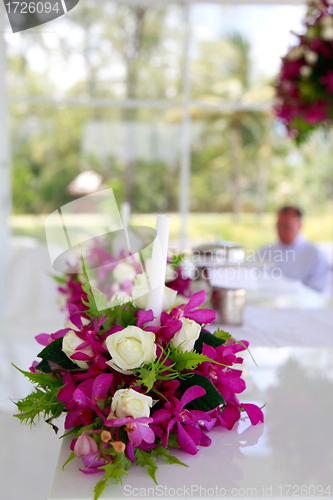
{"points": [[317, 112], [328, 81]]}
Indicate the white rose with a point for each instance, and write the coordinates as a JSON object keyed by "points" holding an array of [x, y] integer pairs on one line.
{"points": [[141, 289], [187, 335], [84, 321], [130, 403], [327, 33], [305, 71], [123, 272], [70, 342], [169, 298], [311, 57], [326, 21], [131, 347]]}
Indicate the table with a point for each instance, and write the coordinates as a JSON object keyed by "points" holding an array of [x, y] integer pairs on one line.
{"points": [[292, 447], [269, 326], [289, 455]]}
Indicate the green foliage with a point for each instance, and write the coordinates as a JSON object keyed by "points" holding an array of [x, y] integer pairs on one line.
{"points": [[160, 451], [177, 259], [59, 279], [54, 353], [209, 401], [186, 360], [49, 381], [222, 335], [146, 460], [157, 370], [173, 440], [69, 459], [42, 401], [115, 471], [48, 145], [148, 374], [209, 339]]}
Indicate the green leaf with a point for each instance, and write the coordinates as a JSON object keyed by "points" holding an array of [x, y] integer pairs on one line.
{"points": [[147, 376], [160, 451], [146, 460], [209, 339], [50, 347], [115, 471], [44, 400], [42, 379], [177, 260], [69, 459], [241, 343], [222, 335], [209, 401], [100, 299], [187, 360], [56, 355], [59, 279], [39, 402], [173, 440], [156, 370]]}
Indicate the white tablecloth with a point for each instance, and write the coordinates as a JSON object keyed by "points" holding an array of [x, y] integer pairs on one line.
{"points": [[265, 326]]}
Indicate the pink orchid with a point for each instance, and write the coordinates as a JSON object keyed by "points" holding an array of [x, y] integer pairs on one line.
{"points": [[92, 462], [189, 434], [231, 414], [227, 380], [73, 291], [137, 429], [180, 284], [191, 310], [85, 445], [84, 399], [90, 339]]}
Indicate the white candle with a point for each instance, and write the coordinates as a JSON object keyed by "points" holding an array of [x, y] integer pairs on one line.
{"points": [[158, 267]]}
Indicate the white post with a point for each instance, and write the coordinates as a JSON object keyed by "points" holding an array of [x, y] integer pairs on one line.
{"points": [[125, 213], [185, 164], [5, 203]]}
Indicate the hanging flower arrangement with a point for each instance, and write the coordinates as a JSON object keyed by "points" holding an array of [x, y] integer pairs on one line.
{"points": [[304, 89]]}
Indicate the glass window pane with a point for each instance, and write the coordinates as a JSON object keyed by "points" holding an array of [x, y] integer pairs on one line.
{"points": [[236, 50], [102, 49]]}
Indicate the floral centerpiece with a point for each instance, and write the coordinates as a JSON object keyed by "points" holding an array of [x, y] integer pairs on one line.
{"points": [[304, 89], [117, 276], [132, 384]]}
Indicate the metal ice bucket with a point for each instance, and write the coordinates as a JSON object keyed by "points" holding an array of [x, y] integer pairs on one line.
{"points": [[228, 303]]}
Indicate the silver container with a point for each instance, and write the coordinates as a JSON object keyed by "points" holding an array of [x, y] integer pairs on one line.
{"points": [[218, 253], [229, 305]]}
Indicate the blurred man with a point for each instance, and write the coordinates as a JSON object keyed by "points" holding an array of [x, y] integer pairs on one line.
{"points": [[294, 256]]}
